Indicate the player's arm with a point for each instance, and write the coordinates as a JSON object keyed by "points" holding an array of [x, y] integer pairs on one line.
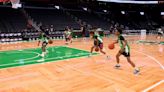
{"points": [[115, 42], [64, 33], [40, 37], [97, 42], [39, 42], [47, 36], [124, 43], [81, 29]]}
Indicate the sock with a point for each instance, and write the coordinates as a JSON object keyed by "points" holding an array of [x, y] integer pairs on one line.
{"points": [[136, 68], [117, 64], [43, 53]]}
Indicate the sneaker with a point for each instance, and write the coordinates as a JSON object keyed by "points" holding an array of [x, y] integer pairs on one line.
{"points": [[41, 60], [46, 52], [89, 55], [42, 55], [117, 66], [136, 71]]}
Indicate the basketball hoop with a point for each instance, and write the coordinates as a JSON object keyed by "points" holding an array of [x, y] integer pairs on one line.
{"points": [[16, 4]]}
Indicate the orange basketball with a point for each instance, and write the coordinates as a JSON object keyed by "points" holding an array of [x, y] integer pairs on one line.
{"points": [[50, 41], [96, 49], [111, 46]]}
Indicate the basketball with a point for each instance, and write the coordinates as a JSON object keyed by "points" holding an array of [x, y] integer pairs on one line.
{"points": [[50, 41], [96, 49], [111, 46]]}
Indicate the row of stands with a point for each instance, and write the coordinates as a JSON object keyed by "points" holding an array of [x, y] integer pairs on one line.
{"points": [[54, 17], [90, 18], [13, 22]]}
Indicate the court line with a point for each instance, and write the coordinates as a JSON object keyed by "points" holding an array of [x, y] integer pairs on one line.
{"points": [[76, 48], [28, 58], [158, 62], [68, 56], [154, 59], [45, 62], [153, 86], [1, 51], [27, 52], [22, 59]]}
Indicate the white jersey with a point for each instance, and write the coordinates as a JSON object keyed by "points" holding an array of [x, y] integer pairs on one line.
{"points": [[160, 31]]}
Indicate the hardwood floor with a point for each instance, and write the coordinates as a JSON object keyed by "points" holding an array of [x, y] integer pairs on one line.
{"points": [[88, 74]]}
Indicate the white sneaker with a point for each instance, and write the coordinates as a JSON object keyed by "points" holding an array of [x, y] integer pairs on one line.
{"points": [[42, 55], [117, 66], [46, 51], [90, 55], [41, 60], [136, 71]]}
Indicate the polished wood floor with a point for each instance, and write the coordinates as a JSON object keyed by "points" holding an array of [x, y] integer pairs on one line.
{"points": [[89, 74]]}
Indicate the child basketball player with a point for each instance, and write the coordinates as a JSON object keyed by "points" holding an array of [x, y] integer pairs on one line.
{"points": [[98, 43], [160, 33], [68, 36], [44, 39], [124, 50]]}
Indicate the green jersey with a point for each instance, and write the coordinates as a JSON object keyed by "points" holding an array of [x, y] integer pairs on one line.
{"points": [[120, 41], [99, 38], [43, 38], [96, 34], [67, 34]]}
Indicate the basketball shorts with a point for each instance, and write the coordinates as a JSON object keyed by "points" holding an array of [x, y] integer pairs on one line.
{"points": [[100, 45], [126, 54], [44, 44]]}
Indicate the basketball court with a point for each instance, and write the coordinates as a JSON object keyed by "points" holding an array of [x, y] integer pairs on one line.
{"points": [[67, 68], [71, 68]]}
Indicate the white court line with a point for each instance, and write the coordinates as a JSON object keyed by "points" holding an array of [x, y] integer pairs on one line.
{"points": [[21, 59], [27, 58], [153, 86], [68, 56], [76, 48], [158, 62], [27, 52]]}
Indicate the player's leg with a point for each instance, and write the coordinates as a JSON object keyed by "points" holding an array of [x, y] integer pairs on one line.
{"points": [[66, 40], [130, 62], [127, 55], [118, 60], [70, 38], [101, 49], [92, 48], [83, 35], [44, 44], [94, 45], [161, 36]]}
